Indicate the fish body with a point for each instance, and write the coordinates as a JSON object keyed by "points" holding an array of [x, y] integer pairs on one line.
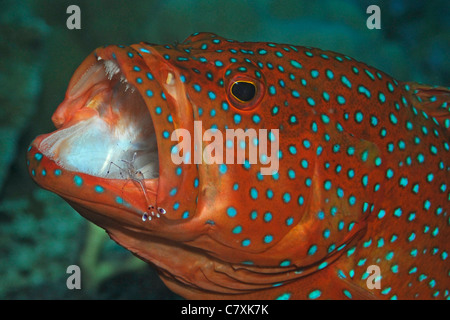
{"points": [[356, 206]]}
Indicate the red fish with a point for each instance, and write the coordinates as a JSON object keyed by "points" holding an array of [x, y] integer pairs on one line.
{"points": [[357, 207]]}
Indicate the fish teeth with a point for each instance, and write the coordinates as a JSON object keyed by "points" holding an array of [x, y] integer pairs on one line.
{"points": [[123, 79], [111, 68], [131, 89]]}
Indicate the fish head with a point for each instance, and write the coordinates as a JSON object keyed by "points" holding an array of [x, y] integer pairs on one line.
{"points": [[109, 154], [148, 145]]}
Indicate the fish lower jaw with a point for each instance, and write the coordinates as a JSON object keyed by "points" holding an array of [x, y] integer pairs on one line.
{"points": [[91, 193]]}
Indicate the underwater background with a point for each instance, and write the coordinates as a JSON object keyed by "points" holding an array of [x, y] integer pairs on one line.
{"points": [[40, 234]]}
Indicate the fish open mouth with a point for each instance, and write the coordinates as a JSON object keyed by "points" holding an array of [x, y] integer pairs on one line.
{"points": [[105, 129], [108, 154]]}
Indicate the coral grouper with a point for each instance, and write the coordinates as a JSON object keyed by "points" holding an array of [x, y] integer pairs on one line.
{"points": [[356, 207]]}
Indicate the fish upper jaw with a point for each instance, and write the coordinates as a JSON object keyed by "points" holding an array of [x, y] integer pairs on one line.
{"points": [[108, 153]]}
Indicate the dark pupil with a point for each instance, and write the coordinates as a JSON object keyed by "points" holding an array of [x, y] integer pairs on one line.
{"points": [[244, 91]]}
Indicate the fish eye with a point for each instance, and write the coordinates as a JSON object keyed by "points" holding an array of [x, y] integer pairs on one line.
{"points": [[243, 91]]}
